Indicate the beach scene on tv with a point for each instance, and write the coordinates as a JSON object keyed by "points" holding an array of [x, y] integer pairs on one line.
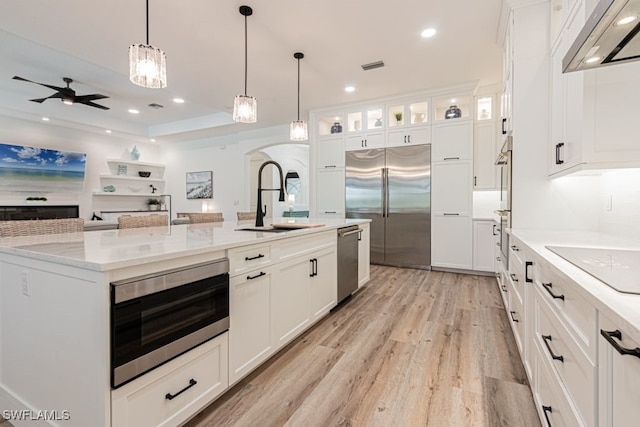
{"points": [[25, 168]]}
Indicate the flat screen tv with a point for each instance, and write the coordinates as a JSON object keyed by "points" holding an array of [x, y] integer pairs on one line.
{"points": [[25, 168]]}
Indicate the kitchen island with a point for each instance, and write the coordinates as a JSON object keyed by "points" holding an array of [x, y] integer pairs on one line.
{"points": [[55, 310]]}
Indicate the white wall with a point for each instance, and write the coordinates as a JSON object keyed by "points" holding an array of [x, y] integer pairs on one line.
{"points": [[619, 203], [98, 147]]}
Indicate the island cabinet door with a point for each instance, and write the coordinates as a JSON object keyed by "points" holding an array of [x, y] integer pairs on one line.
{"points": [[250, 338], [290, 299], [619, 376], [323, 285]]}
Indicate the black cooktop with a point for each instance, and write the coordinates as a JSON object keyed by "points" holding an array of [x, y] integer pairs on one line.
{"points": [[620, 269]]}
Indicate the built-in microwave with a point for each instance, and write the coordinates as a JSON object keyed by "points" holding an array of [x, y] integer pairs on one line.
{"points": [[157, 317]]}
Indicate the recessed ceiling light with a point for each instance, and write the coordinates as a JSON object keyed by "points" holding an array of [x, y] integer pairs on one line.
{"points": [[349, 89], [626, 20], [592, 60], [108, 130], [429, 32], [46, 119], [152, 140], [134, 111], [453, 100], [178, 100]]}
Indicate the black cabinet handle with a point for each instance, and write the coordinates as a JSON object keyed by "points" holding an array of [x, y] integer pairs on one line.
{"points": [[513, 277], [314, 267], [330, 166], [504, 288], [504, 122], [546, 409], [609, 335], [409, 139], [497, 258], [329, 212], [548, 287], [170, 396], [405, 139], [547, 339], [494, 230], [527, 264], [450, 214], [253, 257], [515, 248], [451, 158], [475, 182], [262, 273], [558, 147], [512, 316]]}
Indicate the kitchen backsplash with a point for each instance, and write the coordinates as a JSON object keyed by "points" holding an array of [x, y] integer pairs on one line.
{"points": [[619, 203]]}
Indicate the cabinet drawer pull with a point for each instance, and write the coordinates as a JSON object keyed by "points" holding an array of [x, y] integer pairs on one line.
{"points": [[314, 267], [547, 339], [494, 230], [527, 264], [504, 122], [409, 139], [498, 258], [513, 317], [330, 166], [330, 212], [262, 273], [558, 147], [504, 288], [253, 257], [546, 409], [609, 335], [450, 214], [451, 158], [548, 287], [170, 396], [513, 277]]}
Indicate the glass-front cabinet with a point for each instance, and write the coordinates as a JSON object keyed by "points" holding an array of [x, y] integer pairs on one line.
{"points": [[330, 124], [484, 108], [365, 128], [452, 107], [408, 113]]}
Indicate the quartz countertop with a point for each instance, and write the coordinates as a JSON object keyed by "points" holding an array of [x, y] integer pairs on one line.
{"points": [[113, 249], [622, 308]]}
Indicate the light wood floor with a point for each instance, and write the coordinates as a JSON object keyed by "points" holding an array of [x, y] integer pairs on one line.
{"points": [[412, 348]]}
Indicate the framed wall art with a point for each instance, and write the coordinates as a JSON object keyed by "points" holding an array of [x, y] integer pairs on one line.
{"points": [[200, 185]]}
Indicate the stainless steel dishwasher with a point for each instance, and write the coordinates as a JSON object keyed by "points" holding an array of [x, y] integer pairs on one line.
{"points": [[348, 238]]}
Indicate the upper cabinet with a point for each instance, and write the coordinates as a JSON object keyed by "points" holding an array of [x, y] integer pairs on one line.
{"points": [[410, 112], [592, 113], [456, 107], [365, 128], [329, 124]]}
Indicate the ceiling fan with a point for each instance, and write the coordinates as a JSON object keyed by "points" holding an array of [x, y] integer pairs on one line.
{"points": [[68, 95]]}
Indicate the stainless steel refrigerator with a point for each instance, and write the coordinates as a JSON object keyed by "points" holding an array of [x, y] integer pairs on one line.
{"points": [[392, 187]]}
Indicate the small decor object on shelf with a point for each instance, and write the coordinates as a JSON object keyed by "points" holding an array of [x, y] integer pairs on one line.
{"points": [[398, 117], [144, 174], [378, 122], [453, 112], [135, 154], [135, 189], [122, 169], [336, 128], [154, 204], [109, 189]]}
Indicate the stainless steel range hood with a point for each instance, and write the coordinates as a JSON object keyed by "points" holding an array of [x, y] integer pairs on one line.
{"points": [[609, 37]]}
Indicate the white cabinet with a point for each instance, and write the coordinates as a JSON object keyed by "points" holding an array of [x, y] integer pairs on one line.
{"points": [[170, 394], [409, 136], [451, 188], [408, 112], [323, 284], [619, 376], [330, 193], [250, 333], [330, 153], [290, 299], [451, 241], [483, 245], [452, 141], [364, 140], [485, 150], [365, 128], [364, 254]]}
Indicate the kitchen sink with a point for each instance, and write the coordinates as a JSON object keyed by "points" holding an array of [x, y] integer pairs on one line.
{"points": [[266, 229]]}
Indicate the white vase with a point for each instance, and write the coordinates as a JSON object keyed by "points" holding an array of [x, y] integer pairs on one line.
{"points": [[135, 154]]}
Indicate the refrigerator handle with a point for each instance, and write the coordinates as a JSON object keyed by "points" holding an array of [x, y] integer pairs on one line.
{"points": [[384, 192]]}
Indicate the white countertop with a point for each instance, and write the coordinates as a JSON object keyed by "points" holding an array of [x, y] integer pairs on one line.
{"points": [[112, 249], [622, 308]]}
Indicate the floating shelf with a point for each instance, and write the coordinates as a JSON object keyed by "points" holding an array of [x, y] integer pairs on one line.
{"points": [[134, 162], [131, 178], [121, 194]]}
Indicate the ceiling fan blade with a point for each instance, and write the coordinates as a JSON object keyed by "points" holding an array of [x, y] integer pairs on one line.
{"points": [[92, 104], [41, 84], [92, 97], [39, 100]]}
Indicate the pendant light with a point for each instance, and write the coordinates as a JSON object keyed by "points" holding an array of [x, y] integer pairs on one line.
{"points": [[147, 64], [298, 130], [245, 108]]}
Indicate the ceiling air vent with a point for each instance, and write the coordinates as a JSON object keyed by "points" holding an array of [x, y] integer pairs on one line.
{"points": [[156, 106], [373, 65]]}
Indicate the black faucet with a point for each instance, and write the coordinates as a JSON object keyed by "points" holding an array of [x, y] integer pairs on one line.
{"points": [[260, 214]]}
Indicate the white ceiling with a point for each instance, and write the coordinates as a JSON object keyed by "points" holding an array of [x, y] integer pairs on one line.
{"points": [[88, 41]]}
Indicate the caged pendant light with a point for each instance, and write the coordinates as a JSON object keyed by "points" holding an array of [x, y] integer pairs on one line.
{"points": [[245, 107], [147, 64], [298, 131]]}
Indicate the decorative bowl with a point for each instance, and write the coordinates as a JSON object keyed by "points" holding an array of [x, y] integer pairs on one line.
{"points": [[134, 189], [144, 174]]}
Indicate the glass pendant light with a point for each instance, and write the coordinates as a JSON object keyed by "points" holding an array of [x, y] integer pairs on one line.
{"points": [[147, 64], [298, 130], [245, 107]]}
